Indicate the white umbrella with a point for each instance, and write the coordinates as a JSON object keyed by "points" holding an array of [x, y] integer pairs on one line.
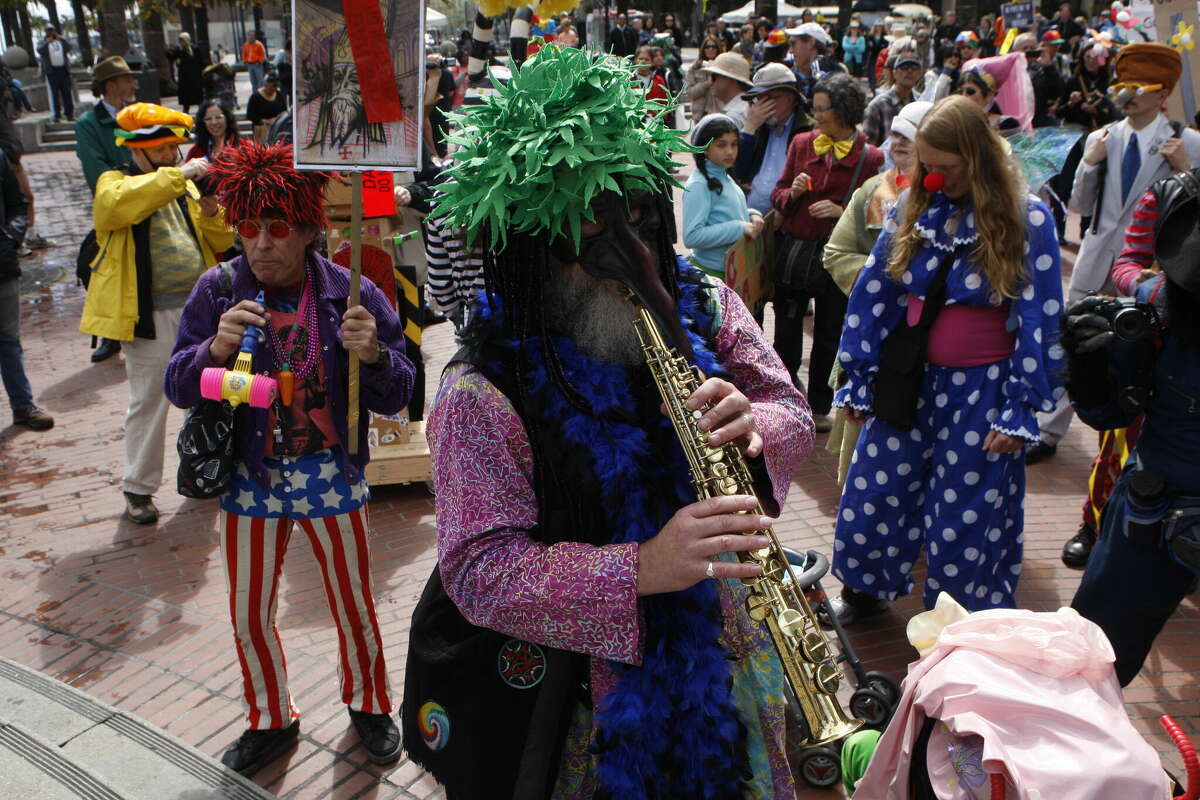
{"points": [[740, 15], [435, 19]]}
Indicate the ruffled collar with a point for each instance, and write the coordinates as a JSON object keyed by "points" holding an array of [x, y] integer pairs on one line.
{"points": [[947, 225]]}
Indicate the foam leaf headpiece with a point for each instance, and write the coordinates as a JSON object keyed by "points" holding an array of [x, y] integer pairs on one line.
{"points": [[568, 126]]}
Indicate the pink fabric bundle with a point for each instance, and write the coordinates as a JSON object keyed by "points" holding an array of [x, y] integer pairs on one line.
{"points": [[1014, 90], [1029, 695]]}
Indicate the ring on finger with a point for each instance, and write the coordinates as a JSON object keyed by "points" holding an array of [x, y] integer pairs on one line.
{"points": [[710, 571]]}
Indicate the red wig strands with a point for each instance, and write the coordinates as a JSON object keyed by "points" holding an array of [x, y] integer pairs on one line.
{"points": [[252, 179]]}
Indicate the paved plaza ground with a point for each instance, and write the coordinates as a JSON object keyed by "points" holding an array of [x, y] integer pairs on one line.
{"points": [[137, 616]]}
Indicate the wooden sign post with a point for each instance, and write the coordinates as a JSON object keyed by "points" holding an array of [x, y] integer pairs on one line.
{"points": [[356, 213]]}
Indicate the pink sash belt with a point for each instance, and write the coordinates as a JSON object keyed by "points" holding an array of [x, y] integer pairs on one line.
{"points": [[965, 336]]}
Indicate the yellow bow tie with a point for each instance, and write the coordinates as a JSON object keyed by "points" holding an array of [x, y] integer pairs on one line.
{"points": [[823, 144]]}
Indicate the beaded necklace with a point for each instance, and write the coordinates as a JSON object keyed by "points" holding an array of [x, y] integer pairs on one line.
{"points": [[306, 317]]}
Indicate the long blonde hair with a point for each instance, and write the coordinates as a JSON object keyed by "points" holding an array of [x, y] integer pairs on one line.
{"points": [[957, 125]]}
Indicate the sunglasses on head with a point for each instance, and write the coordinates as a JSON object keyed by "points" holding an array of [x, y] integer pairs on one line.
{"points": [[277, 228]]}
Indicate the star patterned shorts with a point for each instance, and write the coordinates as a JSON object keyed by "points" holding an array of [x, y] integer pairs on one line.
{"points": [[305, 487]]}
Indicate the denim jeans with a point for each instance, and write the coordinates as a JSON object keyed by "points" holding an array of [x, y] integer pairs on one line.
{"points": [[257, 72], [12, 362]]}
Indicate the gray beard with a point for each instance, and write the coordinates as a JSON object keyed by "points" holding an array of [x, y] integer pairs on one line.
{"points": [[593, 314]]}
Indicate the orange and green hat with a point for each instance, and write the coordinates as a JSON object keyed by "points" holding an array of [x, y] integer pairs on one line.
{"points": [[142, 125]]}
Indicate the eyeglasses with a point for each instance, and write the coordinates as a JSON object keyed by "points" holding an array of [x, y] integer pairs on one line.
{"points": [[277, 228]]}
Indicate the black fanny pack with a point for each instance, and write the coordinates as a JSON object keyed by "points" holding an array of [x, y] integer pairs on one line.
{"points": [[902, 358]]}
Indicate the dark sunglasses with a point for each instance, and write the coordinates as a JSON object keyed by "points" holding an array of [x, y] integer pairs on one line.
{"points": [[277, 228], [970, 91]]}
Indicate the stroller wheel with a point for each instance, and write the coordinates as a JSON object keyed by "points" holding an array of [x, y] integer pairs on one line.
{"points": [[870, 706], [820, 767], [883, 683]]}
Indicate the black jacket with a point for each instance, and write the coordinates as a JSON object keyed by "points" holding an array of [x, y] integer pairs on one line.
{"points": [[12, 221], [754, 146]]}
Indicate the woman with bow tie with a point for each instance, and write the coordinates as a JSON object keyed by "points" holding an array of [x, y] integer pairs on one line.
{"points": [[824, 167]]}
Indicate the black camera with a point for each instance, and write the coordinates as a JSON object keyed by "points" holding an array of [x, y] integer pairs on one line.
{"points": [[1130, 320]]}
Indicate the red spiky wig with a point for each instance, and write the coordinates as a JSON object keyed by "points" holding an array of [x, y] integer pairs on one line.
{"points": [[253, 180]]}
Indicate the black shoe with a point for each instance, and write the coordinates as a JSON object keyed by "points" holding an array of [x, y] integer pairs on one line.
{"points": [[850, 606], [1077, 549], [379, 735], [106, 349], [140, 508], [431, 317], [33, 418], [253, 750], [1039, 452]]}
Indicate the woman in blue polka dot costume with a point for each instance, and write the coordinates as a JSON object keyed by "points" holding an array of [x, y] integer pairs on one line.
{"points": [[955, 482]]}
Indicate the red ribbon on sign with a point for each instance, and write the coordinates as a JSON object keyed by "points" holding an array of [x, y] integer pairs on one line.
{"points": [[372, 60]]}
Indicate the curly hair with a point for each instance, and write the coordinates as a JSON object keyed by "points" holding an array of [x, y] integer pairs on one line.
{"points": [[957, 125], [846, 98]]}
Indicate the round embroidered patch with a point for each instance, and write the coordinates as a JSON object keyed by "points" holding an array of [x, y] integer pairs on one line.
{"points": [[522, 664], [434, 724]]}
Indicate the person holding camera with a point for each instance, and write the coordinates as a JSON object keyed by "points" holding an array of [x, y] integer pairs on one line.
{"points": [[1136, 357], [156, 236], [949, 350]]}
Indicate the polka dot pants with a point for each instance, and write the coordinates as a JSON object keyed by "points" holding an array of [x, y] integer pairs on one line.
{"points": [[934, 486]]}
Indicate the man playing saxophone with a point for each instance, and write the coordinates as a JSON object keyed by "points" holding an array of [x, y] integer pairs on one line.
{"points": [[584, 633]]}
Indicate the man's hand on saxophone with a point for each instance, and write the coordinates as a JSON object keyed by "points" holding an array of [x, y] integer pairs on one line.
{"points": [[680, 555], [730, 417]]}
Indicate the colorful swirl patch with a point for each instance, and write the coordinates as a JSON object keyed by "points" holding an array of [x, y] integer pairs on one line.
{"points": [[434, 724]]}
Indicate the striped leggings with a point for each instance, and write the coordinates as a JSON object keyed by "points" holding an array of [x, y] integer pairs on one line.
{"points": [[253, 549]]}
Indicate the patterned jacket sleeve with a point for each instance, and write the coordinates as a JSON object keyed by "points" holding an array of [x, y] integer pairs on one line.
{"points": [[877, 304], [1037, 363], [781, 413], [1138, 254], [570, 595]]}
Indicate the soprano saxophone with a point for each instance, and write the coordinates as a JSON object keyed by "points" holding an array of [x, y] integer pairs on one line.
{"points": [[780, 604]]}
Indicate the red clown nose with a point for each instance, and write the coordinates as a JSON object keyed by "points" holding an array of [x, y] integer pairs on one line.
{"points": [[934, 181]]}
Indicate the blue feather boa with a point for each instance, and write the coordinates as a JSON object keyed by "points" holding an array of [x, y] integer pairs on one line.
{"points": [[669, 729]]}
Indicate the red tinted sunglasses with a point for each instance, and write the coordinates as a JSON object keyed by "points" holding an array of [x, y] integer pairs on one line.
{"points": [[277, 228]]}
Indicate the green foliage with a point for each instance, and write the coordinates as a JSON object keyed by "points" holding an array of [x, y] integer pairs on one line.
{"points": [[569, 125]]}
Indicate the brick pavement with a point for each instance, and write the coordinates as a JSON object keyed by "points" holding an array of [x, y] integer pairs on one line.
{"points": [[137, 616]]}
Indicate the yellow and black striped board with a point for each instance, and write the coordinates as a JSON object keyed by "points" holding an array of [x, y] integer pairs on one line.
{"points": [[410, 301]]}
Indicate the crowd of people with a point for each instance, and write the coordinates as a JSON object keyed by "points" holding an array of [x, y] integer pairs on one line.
{"points": [[884, 165]]}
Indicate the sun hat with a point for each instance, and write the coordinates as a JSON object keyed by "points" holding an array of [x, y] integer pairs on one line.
{"points": [[729, 65]]}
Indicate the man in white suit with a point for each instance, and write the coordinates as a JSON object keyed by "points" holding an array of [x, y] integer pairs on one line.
{"points": [[1120, 162]]}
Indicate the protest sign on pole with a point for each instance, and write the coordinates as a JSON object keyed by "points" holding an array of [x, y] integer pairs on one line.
{"points": [[1018, 15], [358, 84]]}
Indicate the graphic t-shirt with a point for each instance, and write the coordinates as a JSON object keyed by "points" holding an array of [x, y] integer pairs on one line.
{"points": [[307, 425]]}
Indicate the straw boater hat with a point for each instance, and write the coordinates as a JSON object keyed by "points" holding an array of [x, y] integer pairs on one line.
{"points": [[730, 65], [143, 125]]}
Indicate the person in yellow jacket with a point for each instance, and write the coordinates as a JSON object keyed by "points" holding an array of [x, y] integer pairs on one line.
{"points": [[156, 234]]}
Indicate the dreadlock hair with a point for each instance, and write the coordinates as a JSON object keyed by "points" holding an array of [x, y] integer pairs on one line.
{"points": [[711, 127], [516, 274]]}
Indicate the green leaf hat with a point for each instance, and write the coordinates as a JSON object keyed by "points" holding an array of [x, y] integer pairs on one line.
{"points": [[569, 125]]}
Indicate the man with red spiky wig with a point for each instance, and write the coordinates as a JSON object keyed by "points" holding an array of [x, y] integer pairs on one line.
{"points": [[292, 465]]}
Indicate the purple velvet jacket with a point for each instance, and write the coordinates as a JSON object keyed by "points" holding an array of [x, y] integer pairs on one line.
{"points": [[383, 389]]}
